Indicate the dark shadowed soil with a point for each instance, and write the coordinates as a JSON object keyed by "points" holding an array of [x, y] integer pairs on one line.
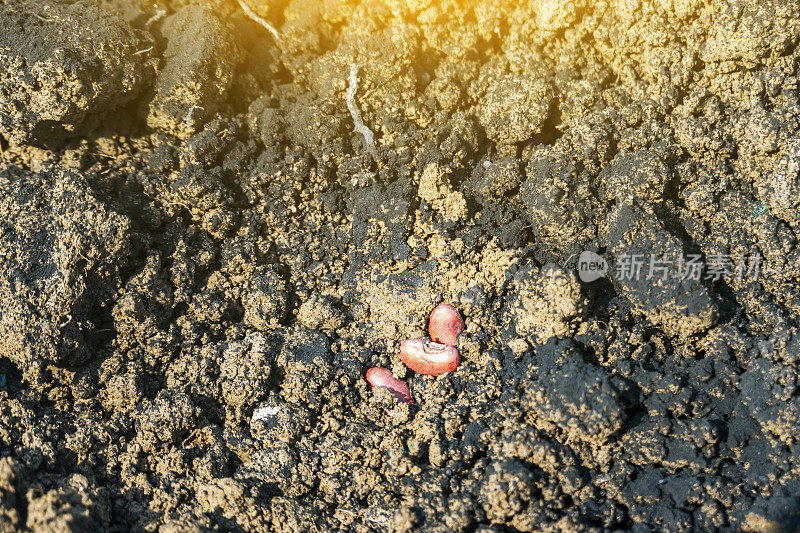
{"points": [[208, 235]]}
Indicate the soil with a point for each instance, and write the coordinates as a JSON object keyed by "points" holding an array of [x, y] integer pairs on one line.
{"points": [[201, 257]]}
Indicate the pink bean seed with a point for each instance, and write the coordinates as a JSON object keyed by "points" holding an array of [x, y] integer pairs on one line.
{"points": [[445, 324], [430, 358], [382, 377]]}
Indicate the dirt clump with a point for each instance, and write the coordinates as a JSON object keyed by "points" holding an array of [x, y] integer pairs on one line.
{"points": [[200, 61], [64, 67], [63, 253]]}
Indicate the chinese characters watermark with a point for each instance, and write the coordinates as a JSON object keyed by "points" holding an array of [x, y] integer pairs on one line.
{"points": [[713, 267]]}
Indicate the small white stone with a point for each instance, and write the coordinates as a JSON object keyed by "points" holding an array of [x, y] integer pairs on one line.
{"points": [[264, 413]]}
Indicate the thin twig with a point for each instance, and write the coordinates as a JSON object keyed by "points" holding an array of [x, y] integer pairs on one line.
{"points": [[350, 99], [259, 20], [194, 432], [156, 17], [43, 19], [189, 120]]}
